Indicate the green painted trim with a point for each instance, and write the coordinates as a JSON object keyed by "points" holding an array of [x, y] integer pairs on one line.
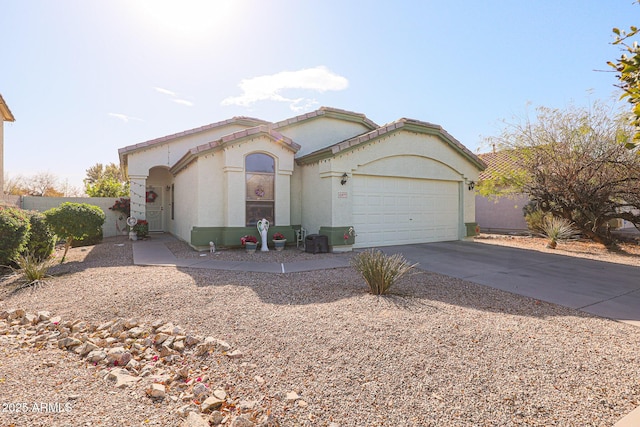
{"points": [[335, 235], [229, 237], [472, 229]]}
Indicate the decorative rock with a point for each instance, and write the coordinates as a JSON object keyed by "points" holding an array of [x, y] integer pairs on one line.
{"points": [[194, 420], [302, 403], [292, 396], [43, 316], [216, 418], [259, 379], [178, 346], [167, 328], [135, 332], [200, 391], [96, 356], [211, 403], [157, 391], [191, 340], [242, 421], [235, 354], [122, 378], [131, 323], [68, 342], [160, 338]]}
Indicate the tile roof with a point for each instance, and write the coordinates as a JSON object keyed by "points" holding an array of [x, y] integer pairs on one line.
{"points": [[250, 121], [267, 130], [498, 162], [329, 112], [403, 123], [7, 116]]}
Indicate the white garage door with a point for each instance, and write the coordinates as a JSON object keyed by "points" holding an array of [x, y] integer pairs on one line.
{"points": [[395, 211]]}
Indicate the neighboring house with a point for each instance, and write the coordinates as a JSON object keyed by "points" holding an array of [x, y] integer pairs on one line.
{"points": [[5, 116], [500, 214], [325, 171]]}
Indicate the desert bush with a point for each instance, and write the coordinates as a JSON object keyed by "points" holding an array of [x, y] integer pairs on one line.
{"points": [[534, 218], [380, 271], [14, 231], [75, 221], [42, 240], [555, 228]]}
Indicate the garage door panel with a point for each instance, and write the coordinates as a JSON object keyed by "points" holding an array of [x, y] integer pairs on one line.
{"points": [[390, 211]]}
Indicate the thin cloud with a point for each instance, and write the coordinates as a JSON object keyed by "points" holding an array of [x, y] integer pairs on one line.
{"points": [[268, 88], [124, 117], [174, 96], [165, 91], [183, 102]]}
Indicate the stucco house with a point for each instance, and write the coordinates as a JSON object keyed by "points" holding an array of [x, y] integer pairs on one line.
{"points": [[5, 116], [325, 171]]}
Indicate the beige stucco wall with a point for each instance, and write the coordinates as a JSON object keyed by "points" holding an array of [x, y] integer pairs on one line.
{"points": [[168, 153], [211, 192], [317, 196], [401, 154], [321, 132], [186, 202]]}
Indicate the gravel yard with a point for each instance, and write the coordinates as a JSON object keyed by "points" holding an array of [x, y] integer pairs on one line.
{"points": [[437, 352]]}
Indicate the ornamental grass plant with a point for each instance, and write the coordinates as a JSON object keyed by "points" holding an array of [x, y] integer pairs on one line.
{"points": [[380, 271], [32, 269], [555, 228]]}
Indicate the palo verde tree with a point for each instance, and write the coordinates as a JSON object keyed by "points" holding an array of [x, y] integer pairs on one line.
{"points": [[628, 67], [573, 164], [74, 221], [105, 181]]}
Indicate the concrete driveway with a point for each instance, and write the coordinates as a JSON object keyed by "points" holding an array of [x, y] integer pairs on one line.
{"points": [[600, 288]]}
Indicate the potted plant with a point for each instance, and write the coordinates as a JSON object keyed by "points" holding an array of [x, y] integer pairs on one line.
{"points": [[141, 229], [279, 241], [250, 243]]}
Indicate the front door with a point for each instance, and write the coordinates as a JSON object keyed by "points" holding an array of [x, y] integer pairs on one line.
{"points": [[155, 208]]}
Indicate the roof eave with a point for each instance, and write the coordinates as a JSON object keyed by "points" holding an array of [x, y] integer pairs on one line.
{"points": [[7, 116]]}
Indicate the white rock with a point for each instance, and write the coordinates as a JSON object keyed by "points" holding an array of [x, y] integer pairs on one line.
{"points": [[235, 354], [292, 396], [135, 332], [122, 378], [211, 403], [96, 356], [194, 420], [157, 391], [43, 316]]}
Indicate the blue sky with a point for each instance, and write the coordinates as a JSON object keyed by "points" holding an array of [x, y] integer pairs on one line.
{"points": [[84, 78]]}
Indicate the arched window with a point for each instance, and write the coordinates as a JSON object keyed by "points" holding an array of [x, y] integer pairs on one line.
{"points": [[260, 179]]}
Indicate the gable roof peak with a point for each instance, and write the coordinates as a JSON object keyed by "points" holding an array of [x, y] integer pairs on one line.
{"points": [[7, 116], [328, 112]]}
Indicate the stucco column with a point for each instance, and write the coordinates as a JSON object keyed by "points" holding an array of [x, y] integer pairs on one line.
{"points": [[137, 193]]}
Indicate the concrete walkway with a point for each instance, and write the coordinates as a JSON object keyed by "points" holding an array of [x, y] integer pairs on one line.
{"points": [[154, 251]]}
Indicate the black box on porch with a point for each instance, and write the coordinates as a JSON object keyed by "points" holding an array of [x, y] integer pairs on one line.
{"points": [[316, 243]]}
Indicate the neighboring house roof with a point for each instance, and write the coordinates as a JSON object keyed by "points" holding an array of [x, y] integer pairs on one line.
{"points": [[5, 111], [404, 123], [498, 162], [247, 121], [328, 112], [264, 130]]}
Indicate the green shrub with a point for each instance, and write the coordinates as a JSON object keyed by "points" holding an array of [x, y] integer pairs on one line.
{"points": [[535, 218], [14, 231], [91, 240], [380, 271], [75, 221], [42, 240]]}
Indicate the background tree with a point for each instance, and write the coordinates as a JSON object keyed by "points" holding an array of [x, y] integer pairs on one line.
{"points": [[105, 181], [628, 67], [573, 164], [44, 184]]}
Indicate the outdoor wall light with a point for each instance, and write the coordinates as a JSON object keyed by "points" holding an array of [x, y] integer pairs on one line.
{"points": [[472, 185], [344, 179]]}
